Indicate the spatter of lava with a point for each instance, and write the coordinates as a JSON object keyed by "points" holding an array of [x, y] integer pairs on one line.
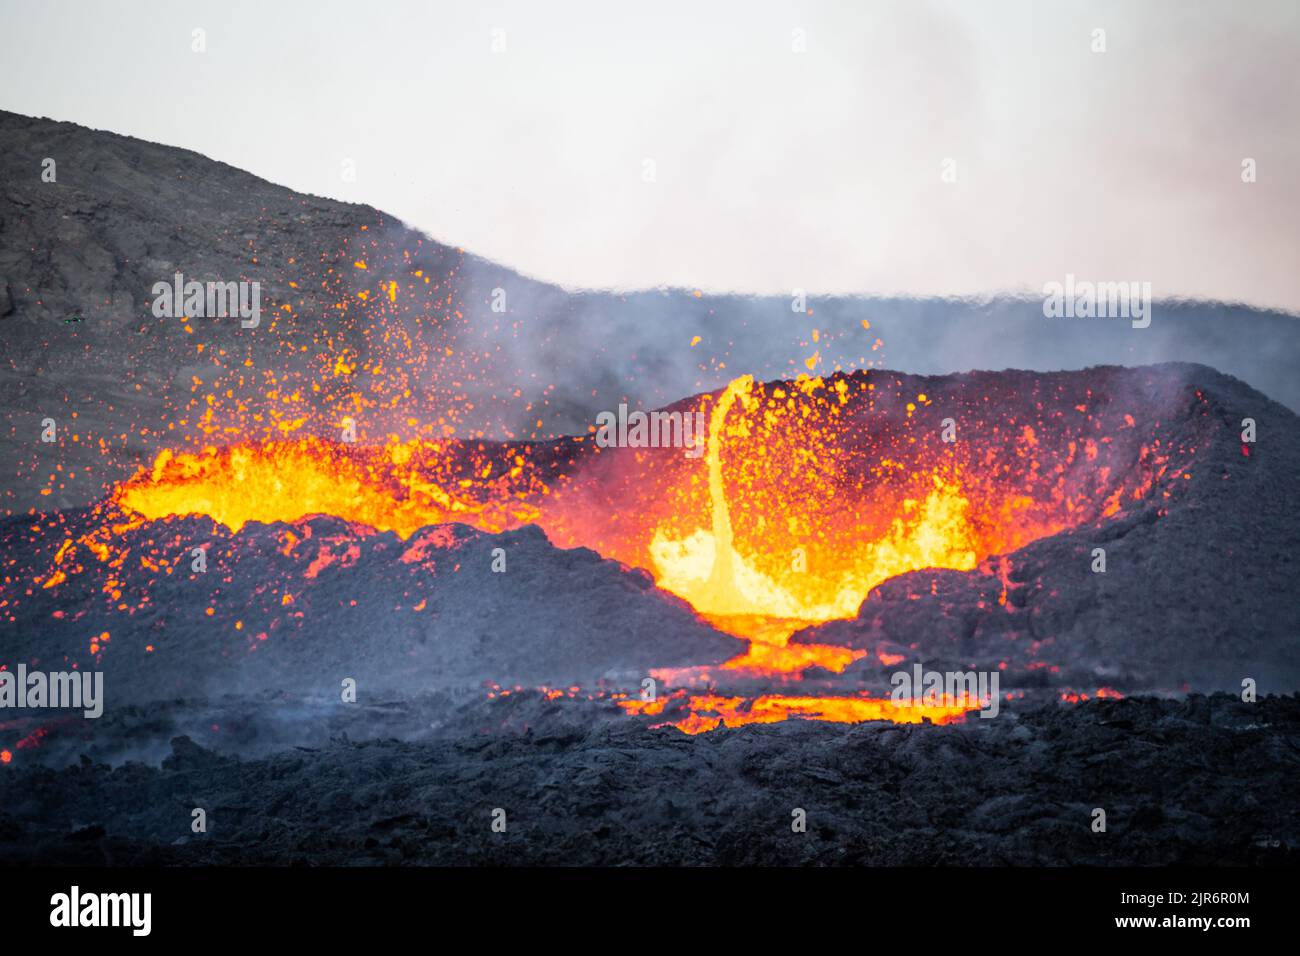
{"points": [[810, 493]]}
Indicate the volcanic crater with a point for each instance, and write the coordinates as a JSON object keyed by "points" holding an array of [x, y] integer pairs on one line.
{"points": [[835, 531]]}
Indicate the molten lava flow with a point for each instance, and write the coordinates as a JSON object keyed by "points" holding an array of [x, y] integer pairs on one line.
{"points": [[398, 487], [721, 591], [710, 711]]}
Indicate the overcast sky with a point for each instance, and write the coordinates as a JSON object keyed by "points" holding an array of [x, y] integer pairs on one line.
{"points": [[772, 169]]}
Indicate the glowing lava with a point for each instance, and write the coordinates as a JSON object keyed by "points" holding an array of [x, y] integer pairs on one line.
{"points": [[400, 487], [810, 494], [806, 499], [710, 711]]}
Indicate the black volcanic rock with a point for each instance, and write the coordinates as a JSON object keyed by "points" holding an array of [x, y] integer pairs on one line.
{"points": [[295, 609], [1200, 591], [1201, 782]]}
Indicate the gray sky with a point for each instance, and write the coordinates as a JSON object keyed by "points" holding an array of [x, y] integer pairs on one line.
{"points": [[773, 169]]}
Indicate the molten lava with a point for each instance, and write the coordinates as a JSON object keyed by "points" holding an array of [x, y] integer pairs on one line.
{"points": [[709, 711], [810, 494], [397, 487]]}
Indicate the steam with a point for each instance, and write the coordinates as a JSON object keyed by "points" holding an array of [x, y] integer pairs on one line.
{"points": [[575, 354]]}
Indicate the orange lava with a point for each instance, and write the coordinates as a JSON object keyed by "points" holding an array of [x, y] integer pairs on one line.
{"points": [[396, 487], [770, 652], [805, 500], [709, 711], [809, 494], [1073, 697]]}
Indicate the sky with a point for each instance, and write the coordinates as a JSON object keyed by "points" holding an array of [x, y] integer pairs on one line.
{"points": [[968, 148]]}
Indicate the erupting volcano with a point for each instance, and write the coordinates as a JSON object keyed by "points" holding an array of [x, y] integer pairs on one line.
{"points": [[811, 494], [377, 550]]}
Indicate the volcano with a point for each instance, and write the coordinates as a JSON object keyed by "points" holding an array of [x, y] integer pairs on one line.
{"points": [[830, 533], [361, 548]]}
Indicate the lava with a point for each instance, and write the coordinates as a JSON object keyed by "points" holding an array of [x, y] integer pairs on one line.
{"points": [[810, 494], [707, 712], [395, 487], [807, 498]]}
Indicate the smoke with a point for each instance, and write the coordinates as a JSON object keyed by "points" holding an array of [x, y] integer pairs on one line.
{"points": [[571, 355]]}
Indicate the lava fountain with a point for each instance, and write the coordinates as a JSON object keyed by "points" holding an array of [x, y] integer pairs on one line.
{"points": [[811, 493]]}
